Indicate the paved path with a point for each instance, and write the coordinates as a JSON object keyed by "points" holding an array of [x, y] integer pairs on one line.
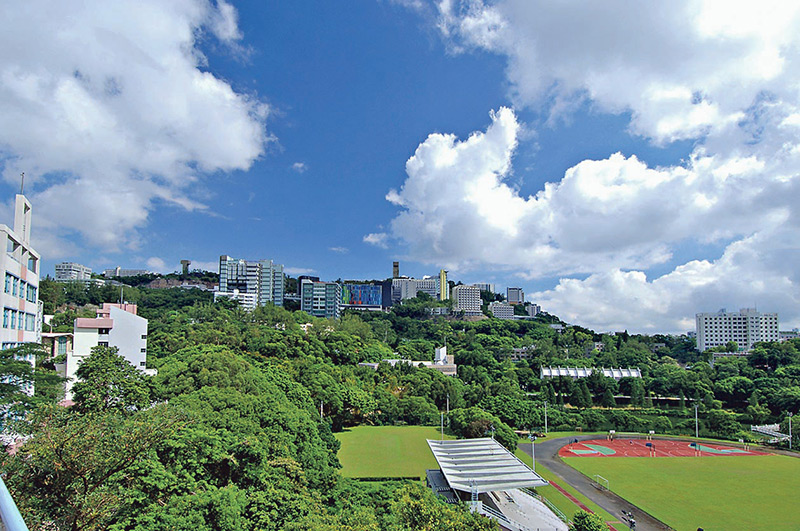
{"points": [[547, 454]]}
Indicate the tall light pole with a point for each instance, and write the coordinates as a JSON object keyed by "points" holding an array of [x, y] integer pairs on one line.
{"points": [[545, 417], [790, 430], [533, 451], [696, 431]]}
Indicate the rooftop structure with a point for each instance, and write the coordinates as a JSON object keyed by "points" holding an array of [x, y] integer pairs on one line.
{"points": [[482, 465], [442, 362], [585, 372]]}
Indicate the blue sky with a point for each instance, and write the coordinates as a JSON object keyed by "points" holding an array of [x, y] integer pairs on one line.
{"points": [[336, 138]]}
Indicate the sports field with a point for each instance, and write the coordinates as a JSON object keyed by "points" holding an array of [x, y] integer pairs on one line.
{"points": [[644, 448], [742, 492], [387, 451]]}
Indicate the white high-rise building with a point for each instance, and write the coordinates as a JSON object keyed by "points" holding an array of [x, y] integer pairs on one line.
{"points": [[251, 283], [321, 299], [466, 299], [116, 325], [70, 271], [22, 311], [746, 328]]}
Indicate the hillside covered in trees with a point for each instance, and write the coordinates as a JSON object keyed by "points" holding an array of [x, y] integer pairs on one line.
{"points": [[229, 434]]}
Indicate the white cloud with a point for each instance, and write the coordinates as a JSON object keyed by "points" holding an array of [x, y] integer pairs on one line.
{"points": [[299, 167], [379, 239], [110, 115], [299, 270], [683, 70], [340, 250], [157, 265], [725, 75]]}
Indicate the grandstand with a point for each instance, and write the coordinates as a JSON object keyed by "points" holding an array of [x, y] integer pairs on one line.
{"points": [[493, 480]]}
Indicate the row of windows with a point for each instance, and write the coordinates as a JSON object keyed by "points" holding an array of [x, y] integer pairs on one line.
{"points": [[18, 320], [19, 288]]}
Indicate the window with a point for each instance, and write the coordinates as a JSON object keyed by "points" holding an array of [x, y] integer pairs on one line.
{"points": [[13, 319], [102, 343], [32, 262], [21, 321], [144, 350], [8, 283], [144, 336], [14, 286], [142, 364], [103, 331], [22, 286], [61, 345], [31, 293], [6, 315]]}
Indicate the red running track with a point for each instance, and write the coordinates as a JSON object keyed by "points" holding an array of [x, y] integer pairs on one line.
{"points": [[639, 448]]}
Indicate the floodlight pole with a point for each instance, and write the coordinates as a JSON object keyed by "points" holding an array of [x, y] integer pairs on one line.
{"points": [[533, 452], [696, 430], [790, 430], [441, 426], [545, 417]]}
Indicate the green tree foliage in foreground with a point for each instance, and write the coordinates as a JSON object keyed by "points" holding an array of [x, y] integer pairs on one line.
{"points": [[583, 521]]}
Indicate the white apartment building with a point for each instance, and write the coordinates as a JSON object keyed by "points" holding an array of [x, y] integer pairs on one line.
{"points": [[22, 311], [467, 299], [321, 299], [70, 271], [116, 325], [515, 296], [533, 309], [746, 327], [501, 310]]}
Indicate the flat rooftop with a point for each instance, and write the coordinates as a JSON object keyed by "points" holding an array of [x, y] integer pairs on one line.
{"points": [[483, 465]]}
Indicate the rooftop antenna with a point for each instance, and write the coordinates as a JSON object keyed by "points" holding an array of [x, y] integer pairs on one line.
{"points": [[22, 183]]}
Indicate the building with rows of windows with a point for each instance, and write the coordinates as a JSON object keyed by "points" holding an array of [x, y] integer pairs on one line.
{"points": [[22, 313], [746, 327]]}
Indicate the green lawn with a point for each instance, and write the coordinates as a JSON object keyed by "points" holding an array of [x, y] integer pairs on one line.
{"points": [[387, 451], [715, 493]]}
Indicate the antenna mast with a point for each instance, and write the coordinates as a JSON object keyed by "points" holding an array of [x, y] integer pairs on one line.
{"points": [[22, 183]]}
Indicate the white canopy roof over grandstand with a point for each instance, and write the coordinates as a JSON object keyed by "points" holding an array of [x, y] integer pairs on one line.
{"points": [[483, 464], [584, 372]]}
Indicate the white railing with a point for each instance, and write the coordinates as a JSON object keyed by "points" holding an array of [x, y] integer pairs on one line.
{"points": [[772, 430]]}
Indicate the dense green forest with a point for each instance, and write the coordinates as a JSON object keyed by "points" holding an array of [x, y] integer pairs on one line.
{"points": [[229, 435]]}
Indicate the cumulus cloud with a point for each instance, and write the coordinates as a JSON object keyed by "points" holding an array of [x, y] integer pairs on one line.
{"points": [[723, 75], [154, 263], [299, 167], [683, 70], [378, 239], [111, 115]]}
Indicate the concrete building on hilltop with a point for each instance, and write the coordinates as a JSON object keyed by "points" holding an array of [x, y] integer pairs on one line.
{"points": [[515, 296], [70, 271], [119, 272], [485, 286], [252, 283], [746, 327], [533, 309], [467, 299], [116, 325], [22, 311], [320, 299], [501, 310]]}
